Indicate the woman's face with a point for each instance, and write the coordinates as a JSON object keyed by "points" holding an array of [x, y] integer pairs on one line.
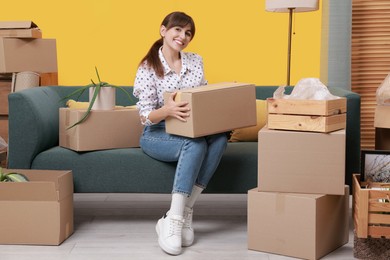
{"points": [[176, 38]]}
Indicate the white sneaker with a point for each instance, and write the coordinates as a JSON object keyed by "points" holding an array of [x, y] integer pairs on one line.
{"points": [[187, 234], [169, 229]]}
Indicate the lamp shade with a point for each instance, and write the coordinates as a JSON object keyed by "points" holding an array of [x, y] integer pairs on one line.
{"points": [[284, 6]]}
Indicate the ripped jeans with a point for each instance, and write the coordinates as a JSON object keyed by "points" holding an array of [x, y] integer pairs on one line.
{"points": [[197, 158]]}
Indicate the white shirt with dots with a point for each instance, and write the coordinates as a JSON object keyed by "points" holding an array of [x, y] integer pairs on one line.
{"points": [[149, 88]]}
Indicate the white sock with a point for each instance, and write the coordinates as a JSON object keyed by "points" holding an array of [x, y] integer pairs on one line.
{"points": [[177, 204], [196, 191]]}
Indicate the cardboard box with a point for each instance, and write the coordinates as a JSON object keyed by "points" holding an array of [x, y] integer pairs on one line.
{"points": [[118, 128], [5, 90], [4, 127], [382, 138], [371, 209], [307, 226], [215, 108], [38, 55], [307, 115], [19, 29], [303, 162], [382, 117], [38, 212]]}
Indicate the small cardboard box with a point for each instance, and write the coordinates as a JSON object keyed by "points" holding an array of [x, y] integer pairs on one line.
{"points": [[307, 115], [5, 90], [103, 129], [215, 108], [382, 117], [303, 162], [371, 209], [19, 29], [38, 55], [38, 212], [307, 226]]}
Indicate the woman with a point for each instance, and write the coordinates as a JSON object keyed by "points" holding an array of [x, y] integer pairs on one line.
{"points": [[166, 68]]}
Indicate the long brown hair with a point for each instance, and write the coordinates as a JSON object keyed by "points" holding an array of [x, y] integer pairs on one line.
{"points": [[171, 20]]}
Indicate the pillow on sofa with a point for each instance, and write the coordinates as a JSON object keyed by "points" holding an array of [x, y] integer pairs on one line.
{"points": [[249, 134]]}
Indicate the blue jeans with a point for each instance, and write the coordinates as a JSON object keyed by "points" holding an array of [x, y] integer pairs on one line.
{"points": [[197, 158]]}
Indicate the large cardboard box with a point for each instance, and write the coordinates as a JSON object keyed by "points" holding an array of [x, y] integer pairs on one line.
{"points": [[38, 55], [103, 129], [215, 108], [306, 226], [303, 162], [19, 29], [38, 212], [307, 115]]}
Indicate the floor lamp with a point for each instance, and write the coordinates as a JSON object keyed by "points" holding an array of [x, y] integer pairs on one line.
{"points": [[291, 7]]}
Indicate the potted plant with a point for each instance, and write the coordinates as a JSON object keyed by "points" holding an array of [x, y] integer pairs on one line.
{"points": [[12, 176], [97, 92]]}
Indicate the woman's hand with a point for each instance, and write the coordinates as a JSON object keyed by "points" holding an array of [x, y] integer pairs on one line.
{"points": [[179, 110]]}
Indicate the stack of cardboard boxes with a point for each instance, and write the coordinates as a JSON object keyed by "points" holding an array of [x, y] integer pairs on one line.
{"points": [[22, 49], [300, 207], [42, 207]]}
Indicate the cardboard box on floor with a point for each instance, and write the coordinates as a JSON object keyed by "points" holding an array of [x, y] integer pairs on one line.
{"points": [[303, 162], [215, 108], [118, 128], [19, 29], [38, 55], [38, 212], [307, 226]]}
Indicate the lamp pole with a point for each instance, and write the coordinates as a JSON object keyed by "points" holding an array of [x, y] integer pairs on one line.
{"points": [[289, 44]]}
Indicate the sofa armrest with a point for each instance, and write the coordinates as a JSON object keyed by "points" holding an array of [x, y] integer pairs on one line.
{"points": [[33, 124]]}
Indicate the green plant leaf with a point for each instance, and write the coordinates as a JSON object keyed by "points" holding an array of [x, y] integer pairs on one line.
{"points": [[96, 91], [16, 177]]}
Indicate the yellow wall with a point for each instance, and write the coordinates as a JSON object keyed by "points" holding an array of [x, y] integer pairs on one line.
{"points": [[238, 40]]}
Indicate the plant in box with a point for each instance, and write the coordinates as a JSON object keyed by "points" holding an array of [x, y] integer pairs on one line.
{"points": [[12, 176], [101, 96]]}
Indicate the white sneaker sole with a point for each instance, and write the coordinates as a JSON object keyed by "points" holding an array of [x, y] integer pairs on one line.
{"points": [[163, 245], [186, 243]]}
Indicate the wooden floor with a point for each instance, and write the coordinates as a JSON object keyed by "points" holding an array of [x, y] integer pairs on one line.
{"points": [[122, 226]]}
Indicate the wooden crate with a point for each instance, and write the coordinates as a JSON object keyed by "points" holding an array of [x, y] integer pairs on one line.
{"points": [[307, 115], [371, 209]]}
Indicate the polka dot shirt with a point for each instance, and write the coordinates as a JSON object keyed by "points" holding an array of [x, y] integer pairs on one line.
{"points": [[149, 88]]}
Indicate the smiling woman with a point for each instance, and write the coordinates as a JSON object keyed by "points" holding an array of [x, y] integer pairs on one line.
{"points": [[167, 68]]}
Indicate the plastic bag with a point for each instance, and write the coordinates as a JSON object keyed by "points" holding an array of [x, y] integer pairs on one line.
{"points": [[307, 88], [3, 144], [383, 92]]}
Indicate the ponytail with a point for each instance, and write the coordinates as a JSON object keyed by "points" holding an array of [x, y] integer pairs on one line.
{"points": [[152, 59]]}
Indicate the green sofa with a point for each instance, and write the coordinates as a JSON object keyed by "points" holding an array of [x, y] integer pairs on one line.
{"points": [[33, 144]]}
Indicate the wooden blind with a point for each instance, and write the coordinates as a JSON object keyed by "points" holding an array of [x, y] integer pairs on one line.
{"points": [[370, 55]]}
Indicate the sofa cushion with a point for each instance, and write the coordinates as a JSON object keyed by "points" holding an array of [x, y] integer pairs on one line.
{"points": [[131, 170], [249, 134]]}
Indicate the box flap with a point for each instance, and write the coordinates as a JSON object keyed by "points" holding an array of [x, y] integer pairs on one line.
{"points": [[17, 25], [43, 185], [215, 86]]}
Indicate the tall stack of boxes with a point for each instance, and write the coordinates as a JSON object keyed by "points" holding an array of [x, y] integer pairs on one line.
{"points": [[22, 49], [42, 207], [300, 207]]}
